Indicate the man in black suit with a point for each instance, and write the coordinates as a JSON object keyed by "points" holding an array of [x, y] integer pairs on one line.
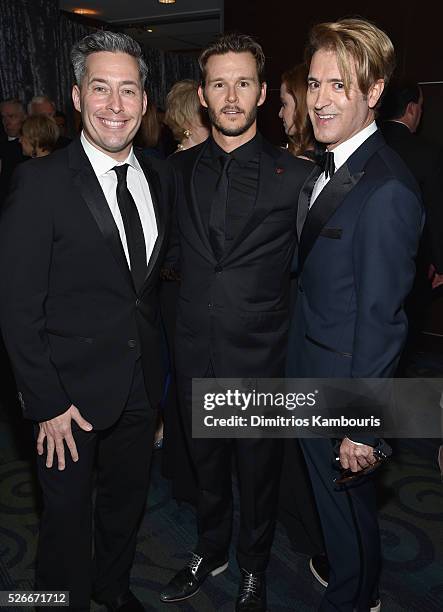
{"points": [[81, 241], [359, 226], [400, 116], [237, 233], [12, 114]]}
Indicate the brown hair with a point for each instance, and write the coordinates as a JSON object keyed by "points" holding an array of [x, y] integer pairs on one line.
{"points": [[148, 133], [358, 40], [235, 43], [183, 108], [41, 131], [295, 80]]}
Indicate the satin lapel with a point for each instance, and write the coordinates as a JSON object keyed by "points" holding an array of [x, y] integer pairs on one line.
{"points": [[305, 197], [269, 184], [89, 187], [329, 200], [155, 190]]}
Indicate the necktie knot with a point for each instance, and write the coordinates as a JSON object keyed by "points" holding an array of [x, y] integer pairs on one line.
{"points": [[327, 163], [121, 171]]}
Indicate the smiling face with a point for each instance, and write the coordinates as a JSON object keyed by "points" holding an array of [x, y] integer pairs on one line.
{"points": [[232, 93], [335, 115], [111, 101], [287, 110]]}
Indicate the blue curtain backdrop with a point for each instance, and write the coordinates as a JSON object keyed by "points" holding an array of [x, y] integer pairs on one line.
{"points": [[35, 41]]}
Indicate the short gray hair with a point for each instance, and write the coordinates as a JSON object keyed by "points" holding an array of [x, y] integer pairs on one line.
{"points": [[40, 100], [103, 40]]}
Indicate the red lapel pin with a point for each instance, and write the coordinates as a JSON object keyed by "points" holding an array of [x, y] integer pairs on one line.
{"points": [[279, 170]]}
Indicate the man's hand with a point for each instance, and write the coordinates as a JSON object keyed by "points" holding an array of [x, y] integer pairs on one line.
{"points": [[356, 456], [57, 431]]}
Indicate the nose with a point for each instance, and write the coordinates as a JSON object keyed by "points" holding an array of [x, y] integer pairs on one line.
{"points": [[321, 97], [280, 112], [115, 103], [231, 94]]}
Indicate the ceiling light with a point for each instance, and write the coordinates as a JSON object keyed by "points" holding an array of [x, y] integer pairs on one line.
{"points": [[167, 1], [149, 30], [85, 11]]}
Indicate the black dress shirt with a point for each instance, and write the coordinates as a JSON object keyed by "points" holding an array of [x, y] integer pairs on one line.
{"points": [[243, 182]]}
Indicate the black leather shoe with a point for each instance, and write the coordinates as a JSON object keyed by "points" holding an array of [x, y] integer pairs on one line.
{"points": [[187, 581], [251, 593], [319, 567], [127, 602]]}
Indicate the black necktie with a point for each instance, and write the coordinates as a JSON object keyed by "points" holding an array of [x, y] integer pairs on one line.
{"points": [[133, 228], [217, 218], [327, 163]]}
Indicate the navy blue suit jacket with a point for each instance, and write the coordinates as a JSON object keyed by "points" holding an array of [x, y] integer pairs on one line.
{"points": [[356, 265]]}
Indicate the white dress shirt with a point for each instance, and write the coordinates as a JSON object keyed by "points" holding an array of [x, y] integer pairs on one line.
{"points": [[341, 154], [137, 185]]}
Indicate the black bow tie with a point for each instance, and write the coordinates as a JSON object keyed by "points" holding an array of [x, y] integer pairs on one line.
{"points": [[327, 163]]}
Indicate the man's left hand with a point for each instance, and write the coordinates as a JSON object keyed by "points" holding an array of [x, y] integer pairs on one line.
{"points": [[356, 456]]}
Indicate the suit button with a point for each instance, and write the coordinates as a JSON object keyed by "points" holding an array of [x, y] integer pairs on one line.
{"points": [[132, 343], [300, 288], [137, 302], [218, 269], [210, 305]]}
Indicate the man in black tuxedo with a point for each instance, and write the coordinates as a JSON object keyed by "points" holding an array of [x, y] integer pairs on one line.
{"points": [[12, 114], [82, 237], [359, 225], [400, 116], [236, 228]]}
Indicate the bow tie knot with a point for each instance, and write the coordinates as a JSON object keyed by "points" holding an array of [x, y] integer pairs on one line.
{"points": [[327, 163]]}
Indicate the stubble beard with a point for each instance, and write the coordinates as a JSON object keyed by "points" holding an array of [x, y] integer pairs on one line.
{"points": [[250, 119]]}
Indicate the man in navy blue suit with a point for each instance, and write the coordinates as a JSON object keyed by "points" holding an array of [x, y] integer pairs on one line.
{"points": [[359, 223]]}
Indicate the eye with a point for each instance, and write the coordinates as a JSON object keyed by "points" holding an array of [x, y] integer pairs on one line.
{"points": [[243, 84], [128, 92], [313, 85], [339, 86], [218, 85], [99, 89]]}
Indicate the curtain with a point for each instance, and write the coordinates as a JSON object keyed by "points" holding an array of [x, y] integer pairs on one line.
{"points": [[35, 43]]}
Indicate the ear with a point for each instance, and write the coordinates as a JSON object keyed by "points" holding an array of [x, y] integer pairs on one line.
{"points": [[375, 92], [262, 97], [411, 108], [201, 95], [76, 98], [144, 102]]}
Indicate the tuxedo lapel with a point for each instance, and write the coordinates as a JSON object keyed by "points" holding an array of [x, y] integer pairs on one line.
{"points": [[86, 182], [155, 189], [305, 197], [329, 200], [269, 184]]}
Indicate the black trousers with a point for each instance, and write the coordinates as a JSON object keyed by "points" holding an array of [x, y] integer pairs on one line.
{"points": [[122, 456], [350, 527], [258, 463]]}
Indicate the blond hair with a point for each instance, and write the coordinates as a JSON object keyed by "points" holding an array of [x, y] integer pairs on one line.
{"points": [[359, 40], [183, 108], [41, 132]]}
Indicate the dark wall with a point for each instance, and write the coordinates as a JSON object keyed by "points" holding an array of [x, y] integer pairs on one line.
{"points": [[282, 28]]}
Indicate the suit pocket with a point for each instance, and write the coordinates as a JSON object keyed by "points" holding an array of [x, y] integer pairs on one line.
{"points": [[59, 334], [332, 232], [325, 347]]}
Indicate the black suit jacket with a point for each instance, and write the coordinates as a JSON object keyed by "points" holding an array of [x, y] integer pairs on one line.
{"points": [[235, 312], [425, 161], [11, 155], [71, 320]]}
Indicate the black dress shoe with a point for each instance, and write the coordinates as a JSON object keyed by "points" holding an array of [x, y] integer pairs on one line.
{"points": [[187, 581], [127, 602], [251, 593], [319, 567]]}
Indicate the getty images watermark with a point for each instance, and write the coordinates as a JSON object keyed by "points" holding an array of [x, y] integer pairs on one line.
{"points": [[245, 408]]}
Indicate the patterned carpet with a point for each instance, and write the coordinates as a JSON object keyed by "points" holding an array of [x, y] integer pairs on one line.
{"points": [[411, 513]]}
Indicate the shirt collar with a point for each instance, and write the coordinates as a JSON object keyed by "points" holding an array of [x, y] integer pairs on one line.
{"points": [[242, 154], [102, 163], [347, 148]]}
